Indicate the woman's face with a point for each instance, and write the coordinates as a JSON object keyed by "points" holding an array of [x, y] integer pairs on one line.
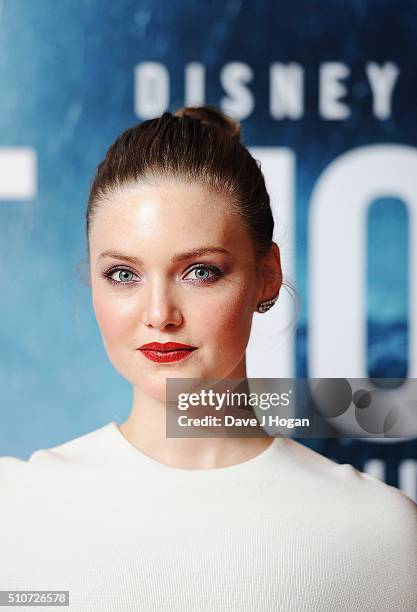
{"points": [[162, 293]]}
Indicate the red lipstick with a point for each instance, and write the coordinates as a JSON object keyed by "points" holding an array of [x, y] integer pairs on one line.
{"points": [[166, 352]]}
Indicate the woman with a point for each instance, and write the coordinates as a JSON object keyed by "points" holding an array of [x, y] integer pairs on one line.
{"points": [[179, 233]]}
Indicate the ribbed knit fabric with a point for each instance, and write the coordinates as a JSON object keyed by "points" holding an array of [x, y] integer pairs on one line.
{"points": [[288, 530]]}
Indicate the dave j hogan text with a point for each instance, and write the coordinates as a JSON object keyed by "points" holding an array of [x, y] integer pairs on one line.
{"points": [[231, 421]]}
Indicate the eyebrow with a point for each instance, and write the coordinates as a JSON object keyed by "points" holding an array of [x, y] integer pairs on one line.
{"points": [[175, 259]]}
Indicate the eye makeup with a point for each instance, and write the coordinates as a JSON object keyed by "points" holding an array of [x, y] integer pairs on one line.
{"points": [[217, 273]]}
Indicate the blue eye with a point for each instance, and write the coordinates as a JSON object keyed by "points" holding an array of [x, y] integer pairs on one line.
{"points": [[202, 273], [119, 271]]}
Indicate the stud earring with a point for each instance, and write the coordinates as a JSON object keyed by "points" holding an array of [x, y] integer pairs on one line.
{"points": [[267, 304]]}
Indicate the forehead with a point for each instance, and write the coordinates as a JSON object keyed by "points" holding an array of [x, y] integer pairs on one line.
{"points": [[173, 214]]}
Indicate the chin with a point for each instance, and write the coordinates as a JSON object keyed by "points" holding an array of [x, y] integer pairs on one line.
{"points": [[156, 387], [153, 383], [156, 393]]}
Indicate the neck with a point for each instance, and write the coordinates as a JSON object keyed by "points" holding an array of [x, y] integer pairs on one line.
{"points": [[145, 428]]}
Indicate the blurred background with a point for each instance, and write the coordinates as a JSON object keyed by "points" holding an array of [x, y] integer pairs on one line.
{"points": [[327, 99]]}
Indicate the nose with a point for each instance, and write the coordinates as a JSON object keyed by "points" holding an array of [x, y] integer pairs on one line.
{"points": [[160, 308]]}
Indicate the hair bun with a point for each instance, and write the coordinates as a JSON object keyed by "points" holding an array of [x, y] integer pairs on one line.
{"points": [[209, 115]]}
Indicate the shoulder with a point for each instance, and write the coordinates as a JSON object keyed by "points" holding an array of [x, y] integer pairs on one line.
{"points": [[342, 486], [80, 452], [371, 525]]}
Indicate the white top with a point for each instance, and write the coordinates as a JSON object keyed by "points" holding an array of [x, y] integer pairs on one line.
{"points": [[288, 530]]}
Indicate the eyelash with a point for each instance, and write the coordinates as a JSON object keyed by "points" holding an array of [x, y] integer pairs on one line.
{"points": [[216, 271]]}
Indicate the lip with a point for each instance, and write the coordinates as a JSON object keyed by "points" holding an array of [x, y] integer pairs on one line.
{"points": [[166, 346], [166, 352]]}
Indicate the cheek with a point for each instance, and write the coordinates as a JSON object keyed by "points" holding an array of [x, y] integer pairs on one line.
{"points": [[115, 318], [228, 322]]}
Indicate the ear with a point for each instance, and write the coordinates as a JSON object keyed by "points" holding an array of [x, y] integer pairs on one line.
{"points": [[271, 273]]}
